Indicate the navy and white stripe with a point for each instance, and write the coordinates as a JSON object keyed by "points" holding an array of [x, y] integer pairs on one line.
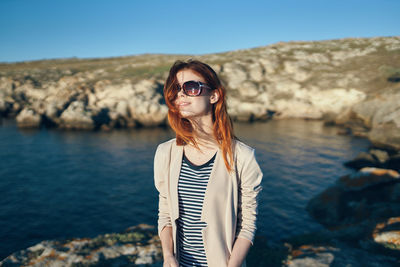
{"points": [[192, 185]]}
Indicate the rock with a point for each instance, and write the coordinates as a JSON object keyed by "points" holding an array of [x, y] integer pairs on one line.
{"points": [[367, 177], [264, 99], [110, 95], [312, 104], [338, 254], [6, 85], [128, 104], [270, 65], [375, 158], [380, 117], [101, 85], [256, 72], [294, 109], [248, 90], [15, 108], [101, 117], [28, 118], [234, 74], [362, 160], [148, 114], [356, 201], [388, 111], [76, 117], [121, 117], [386, 136], [35, 94], [247, 111], [147, 88], [295, 70], [386, 123], [137, 245], [380, 155], [326, 206], [286, 86], [317, 58], [393, 162], [335, 100], [5, 107], [387, 233], [68, 81], [312, 256], [347, 81], [122, 109], [51, 113]]}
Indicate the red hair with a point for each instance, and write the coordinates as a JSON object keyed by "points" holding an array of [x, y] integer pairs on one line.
{"points": [[222, 123]]}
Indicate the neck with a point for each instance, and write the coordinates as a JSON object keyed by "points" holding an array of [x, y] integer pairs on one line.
{"points": [[203, 129]]}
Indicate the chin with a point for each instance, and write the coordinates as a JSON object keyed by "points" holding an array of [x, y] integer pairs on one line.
{"points": [[193, 115], [187, 115]]}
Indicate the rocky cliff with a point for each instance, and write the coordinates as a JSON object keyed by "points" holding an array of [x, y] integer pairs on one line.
{"points": [[351, 82]]}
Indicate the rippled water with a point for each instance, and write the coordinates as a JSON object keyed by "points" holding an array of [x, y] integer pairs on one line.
{"points": [[63, 184]]}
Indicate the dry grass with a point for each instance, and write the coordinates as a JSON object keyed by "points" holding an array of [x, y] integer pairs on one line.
{"points": [[373, 70]]}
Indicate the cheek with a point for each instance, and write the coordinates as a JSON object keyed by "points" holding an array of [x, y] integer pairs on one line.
{"points": [[174, 100], [204, 105]]}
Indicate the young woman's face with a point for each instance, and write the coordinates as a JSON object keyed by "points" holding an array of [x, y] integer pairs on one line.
{"points": [[194, 106]]}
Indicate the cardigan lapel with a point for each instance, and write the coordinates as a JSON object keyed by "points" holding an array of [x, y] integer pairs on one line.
{"points": [[210, 189], [176, 162]]}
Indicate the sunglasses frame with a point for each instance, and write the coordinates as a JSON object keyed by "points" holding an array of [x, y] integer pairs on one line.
{"points": [[200, 85]]}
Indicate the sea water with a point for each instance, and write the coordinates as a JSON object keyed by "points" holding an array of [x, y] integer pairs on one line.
{"points": [[57, 184]]}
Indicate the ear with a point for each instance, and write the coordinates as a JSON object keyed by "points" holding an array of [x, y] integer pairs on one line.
{"points": [[214, 97]]}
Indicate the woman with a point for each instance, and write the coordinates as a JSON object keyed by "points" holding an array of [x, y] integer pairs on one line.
{"points": [[208, 181]]}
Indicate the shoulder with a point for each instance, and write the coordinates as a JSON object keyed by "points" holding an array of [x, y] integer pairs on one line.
{"points": [[165, 146], [242, 150], [247, 166], [162, 154], [245, 156]]}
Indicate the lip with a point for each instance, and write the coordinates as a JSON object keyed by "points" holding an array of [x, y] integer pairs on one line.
{"points": [[182, 104]]}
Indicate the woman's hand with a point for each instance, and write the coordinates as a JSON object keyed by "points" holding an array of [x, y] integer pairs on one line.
{"points": [[168, 247], [170, 261], [239, 252]]}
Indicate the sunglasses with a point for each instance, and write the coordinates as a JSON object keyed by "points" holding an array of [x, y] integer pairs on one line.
{"points": [[193, 88]]}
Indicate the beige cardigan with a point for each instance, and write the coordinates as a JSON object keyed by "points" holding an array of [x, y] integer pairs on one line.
{"points": [[230, 201]]}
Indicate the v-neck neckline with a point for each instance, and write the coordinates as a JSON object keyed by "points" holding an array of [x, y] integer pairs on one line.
{"points": [[198, 167]]}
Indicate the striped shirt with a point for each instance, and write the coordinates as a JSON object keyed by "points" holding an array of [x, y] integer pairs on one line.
{"points": [[191, 189]]}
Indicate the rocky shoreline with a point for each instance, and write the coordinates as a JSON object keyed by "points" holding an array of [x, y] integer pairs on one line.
{"points": [[361, 215], [351, 82], [136, 246]]}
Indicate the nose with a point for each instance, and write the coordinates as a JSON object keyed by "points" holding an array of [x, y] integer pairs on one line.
{"points": [[180, 92]]}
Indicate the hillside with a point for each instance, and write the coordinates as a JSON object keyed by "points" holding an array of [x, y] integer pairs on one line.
{"points": [[310, 80]]}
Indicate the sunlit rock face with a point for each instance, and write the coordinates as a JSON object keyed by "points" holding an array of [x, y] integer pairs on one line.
{"points": [[352, 82]]}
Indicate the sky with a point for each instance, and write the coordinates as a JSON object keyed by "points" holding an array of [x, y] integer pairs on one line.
{"points": [[44, 29]]}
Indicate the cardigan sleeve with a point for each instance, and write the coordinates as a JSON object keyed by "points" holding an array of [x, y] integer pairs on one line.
{"points": [[160, 169], [250, 186]]}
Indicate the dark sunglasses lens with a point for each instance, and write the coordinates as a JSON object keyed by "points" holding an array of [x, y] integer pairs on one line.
{"points": [[191, 88]]}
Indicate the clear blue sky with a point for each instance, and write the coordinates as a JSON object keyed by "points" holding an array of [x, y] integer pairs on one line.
{"points": [[44, 29]]}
